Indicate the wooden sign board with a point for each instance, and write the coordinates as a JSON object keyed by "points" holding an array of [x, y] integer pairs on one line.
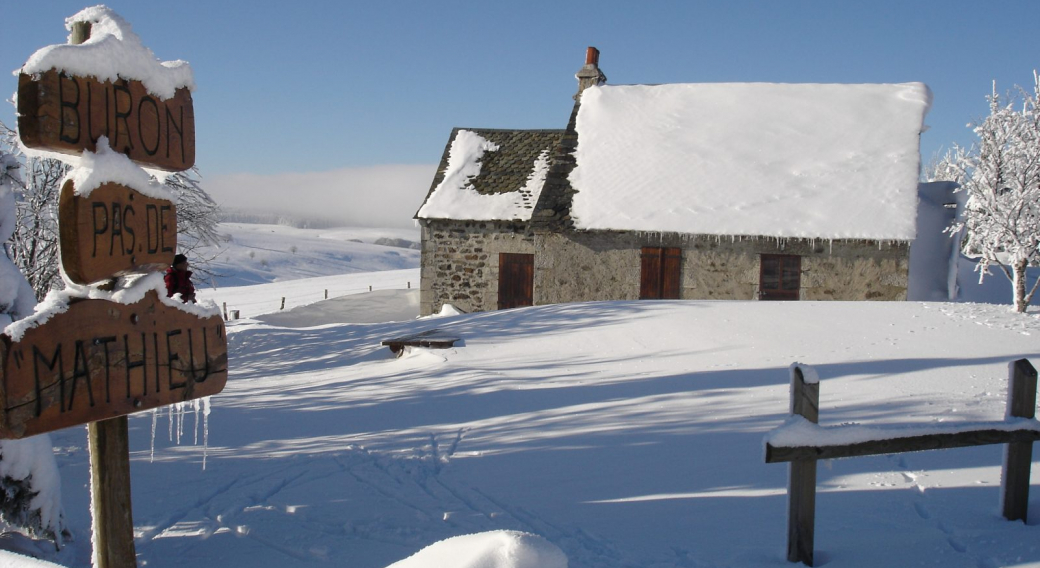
{"points": [[100, 360], [67, 114], [114, 231]]}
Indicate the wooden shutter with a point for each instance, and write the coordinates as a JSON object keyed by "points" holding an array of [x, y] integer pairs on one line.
{"points": [[780, 277], [515, 280], [650, 274], [660, 275], [671, 281]]}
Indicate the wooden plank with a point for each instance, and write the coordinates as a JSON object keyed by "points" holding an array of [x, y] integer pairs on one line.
{"points": [[801, 490], [113, 232], [68, 114], [113, 522], [1018, 456], [99, 360], [431, 338], [982, 437]]}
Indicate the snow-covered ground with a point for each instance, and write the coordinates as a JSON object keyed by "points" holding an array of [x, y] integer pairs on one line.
{"points": [[257, 265], [627, 434], [257, 254]]}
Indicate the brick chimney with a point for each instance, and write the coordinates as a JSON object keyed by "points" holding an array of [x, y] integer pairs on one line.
{"points": [[589, 74]]}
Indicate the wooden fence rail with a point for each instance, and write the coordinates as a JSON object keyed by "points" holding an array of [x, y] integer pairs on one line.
{"points": [[1018, 431]]}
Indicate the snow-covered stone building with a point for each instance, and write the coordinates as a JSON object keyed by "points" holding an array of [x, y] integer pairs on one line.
{"points": [[695, 191]]}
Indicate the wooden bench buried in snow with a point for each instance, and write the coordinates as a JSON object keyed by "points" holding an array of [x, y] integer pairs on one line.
{"points": [[431, 338]]}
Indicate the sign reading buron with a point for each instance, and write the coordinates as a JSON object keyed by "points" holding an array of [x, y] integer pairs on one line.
{"points": [[100, 360], [68, 114], [114, 231]]}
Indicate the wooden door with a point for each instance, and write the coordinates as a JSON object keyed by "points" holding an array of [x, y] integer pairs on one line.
{"points": [[515, 280], [660, 273], [780, 277]]}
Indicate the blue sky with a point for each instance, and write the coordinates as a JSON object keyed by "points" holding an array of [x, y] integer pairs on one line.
{"points": [[323, 85]]}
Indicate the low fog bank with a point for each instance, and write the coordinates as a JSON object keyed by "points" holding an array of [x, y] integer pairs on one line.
{"points": [[372, 196]]}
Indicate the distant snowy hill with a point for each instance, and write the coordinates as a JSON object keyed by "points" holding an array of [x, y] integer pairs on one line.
{"points": [[258, 254]]}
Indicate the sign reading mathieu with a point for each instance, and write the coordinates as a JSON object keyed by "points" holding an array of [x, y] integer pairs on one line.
{"points": [[101, 359]]}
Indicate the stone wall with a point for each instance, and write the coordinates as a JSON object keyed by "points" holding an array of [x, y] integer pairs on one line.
{"points": [[459, 262], [460, 265], [581, 266]]}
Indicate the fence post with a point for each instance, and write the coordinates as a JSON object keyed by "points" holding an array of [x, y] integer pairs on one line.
{"points": [[801, 490], [283, 303], [225, 311], [1018, 456], [370, 288], [326, 293]]}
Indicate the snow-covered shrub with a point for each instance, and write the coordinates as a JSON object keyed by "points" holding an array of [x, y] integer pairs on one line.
{"points": [[30, 486]]}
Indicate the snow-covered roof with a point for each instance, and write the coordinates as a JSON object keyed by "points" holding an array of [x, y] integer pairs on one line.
{"points": [[783, 160], [113, 51], [489, 175]]}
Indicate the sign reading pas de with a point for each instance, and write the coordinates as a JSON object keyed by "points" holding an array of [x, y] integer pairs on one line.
{"points": [[114, 231]]}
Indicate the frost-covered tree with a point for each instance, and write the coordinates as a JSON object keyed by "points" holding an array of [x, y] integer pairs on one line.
{"points": [[198, 218], [1001, 175], [35, 246], [30, 486]]}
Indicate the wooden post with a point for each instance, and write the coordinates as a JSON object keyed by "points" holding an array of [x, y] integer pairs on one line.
{"points": [[370, 288], [113, 522], [80, 32], [1018, 456], [225, 311], [801, 490], [409, 285], [283, 303], [326, 293]]}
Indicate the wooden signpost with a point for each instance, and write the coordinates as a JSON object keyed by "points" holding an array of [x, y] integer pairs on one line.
{"points": [[100, 360], [114, 231], [68, 114]]}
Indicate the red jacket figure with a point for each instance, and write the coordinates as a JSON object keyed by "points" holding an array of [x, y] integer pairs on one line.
{"points": [[178, 280]]}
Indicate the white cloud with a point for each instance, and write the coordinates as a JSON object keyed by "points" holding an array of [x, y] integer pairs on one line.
{"points": [[370, 196]]}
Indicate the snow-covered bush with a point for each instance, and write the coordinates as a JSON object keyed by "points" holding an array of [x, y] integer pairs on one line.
{"points": [[1001, 175], [30, 486]]}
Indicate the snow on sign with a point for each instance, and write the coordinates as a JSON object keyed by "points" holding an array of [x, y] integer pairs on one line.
{"points": [[101, 359], [113, 232]]}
